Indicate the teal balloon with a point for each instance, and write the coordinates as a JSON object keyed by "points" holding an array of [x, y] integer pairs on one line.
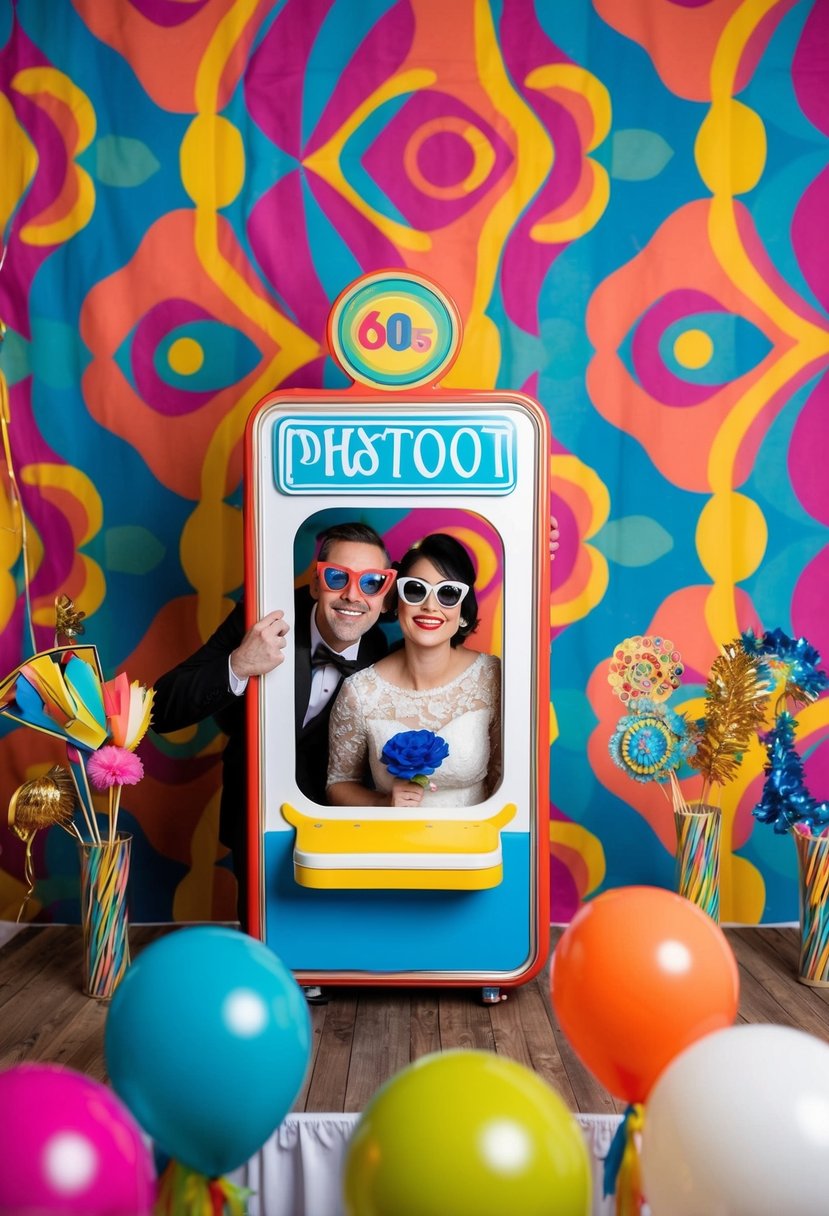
{"points": [[207, 1042]]}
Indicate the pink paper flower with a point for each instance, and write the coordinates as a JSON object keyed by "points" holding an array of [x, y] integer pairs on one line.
{"points": [[110, 766]]}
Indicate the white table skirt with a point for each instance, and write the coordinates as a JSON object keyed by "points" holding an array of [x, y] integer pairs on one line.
{"points": [[298, 1172]]}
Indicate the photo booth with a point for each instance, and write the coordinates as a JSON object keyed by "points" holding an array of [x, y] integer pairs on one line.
{"points": [[445, 896]]}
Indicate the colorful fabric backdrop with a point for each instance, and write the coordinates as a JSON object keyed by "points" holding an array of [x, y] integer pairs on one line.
{"points": [[626, 198]]}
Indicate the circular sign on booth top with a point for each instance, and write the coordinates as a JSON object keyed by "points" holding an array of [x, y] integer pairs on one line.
{"points": [[394, 330]]}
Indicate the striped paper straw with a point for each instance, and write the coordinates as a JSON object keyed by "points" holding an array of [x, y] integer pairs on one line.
{"points": [[698, 857]]}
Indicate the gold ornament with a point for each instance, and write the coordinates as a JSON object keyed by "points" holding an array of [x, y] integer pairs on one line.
{"points": [[43, 801], [38, 804], [67, 618]]}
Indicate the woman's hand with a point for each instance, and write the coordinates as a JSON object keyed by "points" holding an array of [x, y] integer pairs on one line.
{"points": [[554, 537], [405, 793]]}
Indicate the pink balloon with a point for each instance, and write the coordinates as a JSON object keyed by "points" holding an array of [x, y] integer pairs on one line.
{"points": [[69, 1147]]}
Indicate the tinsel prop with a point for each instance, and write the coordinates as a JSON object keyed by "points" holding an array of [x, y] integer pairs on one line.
{"points": [[796, 662], [785, 800], [736, 696]]}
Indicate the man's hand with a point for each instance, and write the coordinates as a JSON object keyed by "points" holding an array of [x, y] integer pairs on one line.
{"points": [[262, 648]]}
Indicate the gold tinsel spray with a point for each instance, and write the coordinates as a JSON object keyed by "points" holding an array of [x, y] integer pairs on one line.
{"points": [[736, 697]]}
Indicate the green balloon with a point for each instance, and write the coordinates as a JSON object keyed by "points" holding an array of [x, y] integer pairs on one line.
{"points": [[467, 1133]]}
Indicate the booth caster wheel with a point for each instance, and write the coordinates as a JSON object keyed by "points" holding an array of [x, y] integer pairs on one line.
{"points": [[314, 995], [491, 996]]}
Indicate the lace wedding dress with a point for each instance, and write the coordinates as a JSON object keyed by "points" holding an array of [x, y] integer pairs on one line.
{"points": [[466, 712]]}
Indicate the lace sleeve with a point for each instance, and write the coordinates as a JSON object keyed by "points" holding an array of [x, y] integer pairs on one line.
{"points": [[496, 764], [347, 739]]}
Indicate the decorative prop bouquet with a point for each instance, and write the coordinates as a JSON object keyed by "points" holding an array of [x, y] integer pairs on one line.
{"points": [[61, 693], [413, 755], [755, 681], [652, 741]]}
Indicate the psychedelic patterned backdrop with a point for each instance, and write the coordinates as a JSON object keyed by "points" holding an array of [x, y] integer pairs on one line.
{"points": [[627, 199]]}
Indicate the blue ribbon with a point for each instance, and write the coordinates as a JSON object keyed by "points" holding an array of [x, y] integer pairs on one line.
{"points": [[613, 1160]]}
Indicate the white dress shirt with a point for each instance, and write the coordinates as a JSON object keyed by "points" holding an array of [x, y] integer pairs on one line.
{"points": [[325, 677]]}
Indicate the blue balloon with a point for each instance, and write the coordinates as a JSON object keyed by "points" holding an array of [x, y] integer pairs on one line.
{"points": [[207, 1042]]}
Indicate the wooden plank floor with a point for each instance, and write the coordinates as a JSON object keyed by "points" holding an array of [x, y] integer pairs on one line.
{"points": [[362, 1036]]}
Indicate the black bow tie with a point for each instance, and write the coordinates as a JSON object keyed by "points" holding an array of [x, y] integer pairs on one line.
{"points": [[322, 657]]}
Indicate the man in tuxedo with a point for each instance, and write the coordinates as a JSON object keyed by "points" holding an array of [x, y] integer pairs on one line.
{"points": [[335, 631]]}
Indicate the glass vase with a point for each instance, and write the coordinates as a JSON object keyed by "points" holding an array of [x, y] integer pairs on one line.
{"points": [[105, 872], [698, 856], [813, 875]]}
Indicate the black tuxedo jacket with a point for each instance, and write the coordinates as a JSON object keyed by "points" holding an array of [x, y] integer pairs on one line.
{"points": [[198, 688]]}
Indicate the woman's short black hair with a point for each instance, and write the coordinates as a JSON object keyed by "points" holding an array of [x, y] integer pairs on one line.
{"points": [[452, 559]]}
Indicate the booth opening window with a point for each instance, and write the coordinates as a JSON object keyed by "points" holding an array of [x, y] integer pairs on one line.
{"points": [[378, 614]]}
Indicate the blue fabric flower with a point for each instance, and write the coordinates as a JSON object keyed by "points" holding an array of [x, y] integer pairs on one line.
{"points": [[414, 754]]}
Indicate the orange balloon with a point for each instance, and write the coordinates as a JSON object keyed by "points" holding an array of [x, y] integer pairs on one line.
{"points": [[638, 975]]}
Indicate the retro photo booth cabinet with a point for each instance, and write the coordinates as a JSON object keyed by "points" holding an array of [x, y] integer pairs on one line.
{"points": [[351, 895]]}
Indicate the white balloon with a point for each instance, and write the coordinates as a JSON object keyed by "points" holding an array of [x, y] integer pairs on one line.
{"points": [[738, 1125]]}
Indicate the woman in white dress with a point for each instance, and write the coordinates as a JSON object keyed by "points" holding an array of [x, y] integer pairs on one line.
{"points": [[433, 682]]}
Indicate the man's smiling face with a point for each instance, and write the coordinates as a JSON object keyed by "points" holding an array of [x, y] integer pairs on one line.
{"points": [[344, 616]]}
